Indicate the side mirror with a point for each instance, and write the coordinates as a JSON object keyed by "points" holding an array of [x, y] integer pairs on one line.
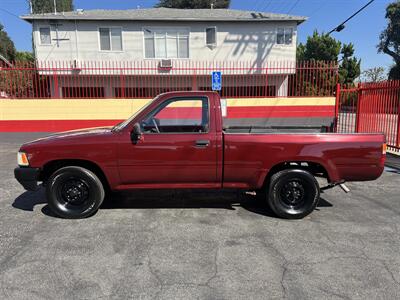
{"points": [[136, 133]]}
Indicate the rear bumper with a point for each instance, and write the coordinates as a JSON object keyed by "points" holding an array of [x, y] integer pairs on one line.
{"points": [[27, 177]]}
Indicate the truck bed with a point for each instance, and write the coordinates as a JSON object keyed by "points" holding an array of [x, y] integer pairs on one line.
{"points": [[344, 157]]}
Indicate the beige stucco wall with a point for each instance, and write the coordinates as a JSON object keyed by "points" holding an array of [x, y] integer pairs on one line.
{"points": [[236, 41]]}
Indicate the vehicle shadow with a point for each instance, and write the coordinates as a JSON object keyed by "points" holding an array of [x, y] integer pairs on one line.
{"points": [[187, 199], [28, 200], [165, 199]]}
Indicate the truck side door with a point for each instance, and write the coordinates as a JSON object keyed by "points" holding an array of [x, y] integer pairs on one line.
{"points": [[178, 147]]}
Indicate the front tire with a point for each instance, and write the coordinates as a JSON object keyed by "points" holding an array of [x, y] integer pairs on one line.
{"points": [[293, 193], [74, 192]]}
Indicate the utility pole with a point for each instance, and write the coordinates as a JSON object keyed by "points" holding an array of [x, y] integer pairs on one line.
{"points": [[55, 6]]}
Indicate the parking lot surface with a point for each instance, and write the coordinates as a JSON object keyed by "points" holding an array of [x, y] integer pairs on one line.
{"points": [[199, 245]]}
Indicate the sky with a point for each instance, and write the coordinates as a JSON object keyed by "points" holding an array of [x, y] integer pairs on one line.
{"points": [[363, 30]]}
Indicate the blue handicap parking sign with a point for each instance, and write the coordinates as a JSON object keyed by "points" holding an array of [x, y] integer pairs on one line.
{"points": [[216, 78]]}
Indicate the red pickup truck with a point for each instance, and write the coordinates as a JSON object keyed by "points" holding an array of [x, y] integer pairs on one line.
{"points": [[181, 140]]}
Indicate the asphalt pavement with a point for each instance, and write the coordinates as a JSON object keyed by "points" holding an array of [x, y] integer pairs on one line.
{"points": [[199, 244]]}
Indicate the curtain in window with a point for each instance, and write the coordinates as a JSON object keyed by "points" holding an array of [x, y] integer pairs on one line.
{"points": [[281, 36], [45, 36], [172, 45], [116, 39], [288, 36], [160, 45], [149, 44], [211, 38], [183, 46], [105, 39]]}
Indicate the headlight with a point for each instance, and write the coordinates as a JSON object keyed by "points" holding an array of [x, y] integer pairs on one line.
{"points": [[22, 159]]}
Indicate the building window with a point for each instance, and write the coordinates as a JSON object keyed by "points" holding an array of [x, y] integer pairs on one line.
{"points": [[166, 43], [45, 36], [110, 39], [211, 36], [284, 36]]}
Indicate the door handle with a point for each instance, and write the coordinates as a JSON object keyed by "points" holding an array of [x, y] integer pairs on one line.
{"points": [[202, 143]]}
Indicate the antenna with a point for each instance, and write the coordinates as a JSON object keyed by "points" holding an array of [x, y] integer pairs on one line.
{"points": [[30, 6]]}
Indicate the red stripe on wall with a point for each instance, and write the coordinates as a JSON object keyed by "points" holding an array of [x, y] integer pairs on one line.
{"points": [[280, 111], [52, 125]]}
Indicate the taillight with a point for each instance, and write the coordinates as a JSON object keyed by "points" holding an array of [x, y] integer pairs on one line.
{"points": [[383, 156]]}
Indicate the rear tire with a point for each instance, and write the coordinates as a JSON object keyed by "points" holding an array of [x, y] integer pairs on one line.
{"points": [[293, 193], [74, 192]]}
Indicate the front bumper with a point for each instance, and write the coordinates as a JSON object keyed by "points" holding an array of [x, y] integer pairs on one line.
{"points": [[27, 177]]}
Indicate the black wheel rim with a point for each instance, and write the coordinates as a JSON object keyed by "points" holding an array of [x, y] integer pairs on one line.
{"points": [[293, 193], [74, 193]]}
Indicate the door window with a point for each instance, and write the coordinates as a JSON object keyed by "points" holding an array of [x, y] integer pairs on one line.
{"points": [[178, 115]]}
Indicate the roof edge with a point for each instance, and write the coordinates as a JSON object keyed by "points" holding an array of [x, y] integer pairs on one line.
{"points": [[168, 15], [30, 18]]}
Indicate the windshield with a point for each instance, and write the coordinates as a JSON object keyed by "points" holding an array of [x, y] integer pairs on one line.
{"points": [[122, 125]]}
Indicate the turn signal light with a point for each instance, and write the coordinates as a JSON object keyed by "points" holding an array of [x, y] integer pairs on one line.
{"points": [[22, 159]]}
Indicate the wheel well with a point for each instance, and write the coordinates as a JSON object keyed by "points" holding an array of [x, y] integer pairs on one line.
{"points": [[52, 166], [314, 168]]}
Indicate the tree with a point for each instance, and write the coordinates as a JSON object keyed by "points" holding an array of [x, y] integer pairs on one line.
{"points": [[24, 56], [324, 51], [375, 74], [9, 77], [390, 38], [394, 72], [349, 68], [319, 47], [7, 48], [323, 47], [47, 6], [193, 3]]}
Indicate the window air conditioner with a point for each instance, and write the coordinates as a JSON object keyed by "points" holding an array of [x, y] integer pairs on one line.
{"points": [[166, 63]]}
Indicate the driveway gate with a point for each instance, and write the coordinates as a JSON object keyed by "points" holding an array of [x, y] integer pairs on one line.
{"points": [[370, 107]]}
